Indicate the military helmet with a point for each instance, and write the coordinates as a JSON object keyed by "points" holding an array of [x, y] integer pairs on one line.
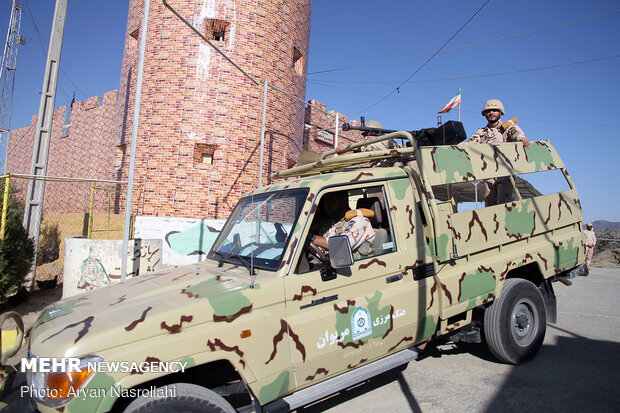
{"points": [[374, 124], [589, 224], [494, 104]]}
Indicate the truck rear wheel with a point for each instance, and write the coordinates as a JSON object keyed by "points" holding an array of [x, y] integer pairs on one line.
{"points": [[515, 324], [180, 397]]}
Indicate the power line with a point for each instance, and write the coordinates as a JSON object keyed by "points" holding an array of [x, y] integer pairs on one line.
{"points": [[381, 62], [68, 76], [435, 106], [473, 76], [397, 89], [370, 94]]}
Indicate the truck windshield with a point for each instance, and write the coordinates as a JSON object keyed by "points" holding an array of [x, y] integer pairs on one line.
{"points": [[259, 228]]}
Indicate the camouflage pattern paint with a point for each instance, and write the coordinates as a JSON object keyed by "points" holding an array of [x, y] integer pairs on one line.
{"points": [[426, 328], [475, 285], [99, 382], [566, 255], [520, 220], [540, 156], [452, 162], [400, 186], [227, 306], [277, 388]]}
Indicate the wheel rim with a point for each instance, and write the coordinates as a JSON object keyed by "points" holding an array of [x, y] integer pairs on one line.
{"points": [[524, 322]]}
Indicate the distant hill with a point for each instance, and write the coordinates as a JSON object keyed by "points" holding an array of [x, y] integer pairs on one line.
{"points": [[600, 225]]}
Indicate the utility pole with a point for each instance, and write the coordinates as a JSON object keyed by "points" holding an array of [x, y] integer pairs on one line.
{"points": [[38, 168], [7, 77], [134, 138]]}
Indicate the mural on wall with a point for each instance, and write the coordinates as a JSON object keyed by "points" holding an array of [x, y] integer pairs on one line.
{"points": [[196, 240], [93, 263], [185, 240], [92, 275]]}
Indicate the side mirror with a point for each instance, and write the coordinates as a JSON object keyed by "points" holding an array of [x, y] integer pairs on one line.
{"points": [[340, 254]]}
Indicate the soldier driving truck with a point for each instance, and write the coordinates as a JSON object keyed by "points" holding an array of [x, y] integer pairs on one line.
{"points": [[352, 223], [259, 327]]}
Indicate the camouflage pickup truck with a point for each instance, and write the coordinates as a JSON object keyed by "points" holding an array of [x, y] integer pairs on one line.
{"points": [[271, 322]]}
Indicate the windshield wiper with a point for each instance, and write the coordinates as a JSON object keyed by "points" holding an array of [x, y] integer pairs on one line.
{"points": [[246, 264], [220, 261]]}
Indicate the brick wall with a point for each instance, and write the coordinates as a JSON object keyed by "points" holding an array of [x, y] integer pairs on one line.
{"points": [[196, 106], [318, 141], [87, 151]]}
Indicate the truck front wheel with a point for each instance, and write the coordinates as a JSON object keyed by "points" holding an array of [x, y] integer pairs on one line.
{"points": [[515, 324], [182, 397]]}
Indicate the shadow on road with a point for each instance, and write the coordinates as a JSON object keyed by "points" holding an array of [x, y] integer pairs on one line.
{"points": [[445, 348], [365, 387], [577, 374]]}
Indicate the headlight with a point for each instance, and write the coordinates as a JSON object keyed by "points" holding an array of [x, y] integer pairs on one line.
{"points": [[56, 384]]}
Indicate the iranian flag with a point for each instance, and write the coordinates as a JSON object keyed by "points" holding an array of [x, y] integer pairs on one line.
{"points": [[453, 103]]}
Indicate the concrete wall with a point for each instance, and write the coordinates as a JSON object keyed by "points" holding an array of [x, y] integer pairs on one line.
{"points": [[91, 264], [185, 240]]}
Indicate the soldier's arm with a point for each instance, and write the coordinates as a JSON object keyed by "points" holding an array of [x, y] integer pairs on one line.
{"points": [[525, 141], [475, 138], [516, 134], [321, 241]]}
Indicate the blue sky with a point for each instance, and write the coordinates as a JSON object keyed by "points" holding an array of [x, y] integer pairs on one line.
{"points": [[574, 104]]}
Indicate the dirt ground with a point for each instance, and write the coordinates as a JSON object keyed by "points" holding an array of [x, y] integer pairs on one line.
{"points": [[607, 259]]}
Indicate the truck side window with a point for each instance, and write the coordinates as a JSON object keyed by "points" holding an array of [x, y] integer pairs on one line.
{"points": [[370, 201]]}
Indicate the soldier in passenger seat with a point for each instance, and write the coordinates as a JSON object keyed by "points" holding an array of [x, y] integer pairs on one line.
{"points": [[352, 223]]}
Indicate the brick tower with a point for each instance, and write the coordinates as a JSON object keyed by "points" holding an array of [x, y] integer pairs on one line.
{"points": [[198, 142]]}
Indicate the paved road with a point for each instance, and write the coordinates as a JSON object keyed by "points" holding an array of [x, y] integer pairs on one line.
{"points": [[576, 370]]}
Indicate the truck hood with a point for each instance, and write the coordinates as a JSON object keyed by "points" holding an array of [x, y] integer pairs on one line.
{"points": [[151, 305]]}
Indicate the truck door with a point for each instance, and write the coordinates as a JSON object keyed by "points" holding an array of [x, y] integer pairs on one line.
{"points": [[368, 310]]}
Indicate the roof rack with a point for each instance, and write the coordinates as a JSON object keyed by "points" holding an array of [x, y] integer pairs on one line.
{"points": [[326, 164]]}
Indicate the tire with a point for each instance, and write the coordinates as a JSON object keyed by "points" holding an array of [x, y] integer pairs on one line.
{"points": [[515, 324], [188, 398]]}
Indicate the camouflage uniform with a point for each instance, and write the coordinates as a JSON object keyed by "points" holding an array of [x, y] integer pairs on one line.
{"points": [[495, 135], [497, 190], [590, 243], [360, 234]]}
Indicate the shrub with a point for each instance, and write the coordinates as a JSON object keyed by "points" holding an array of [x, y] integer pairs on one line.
{"points": [[16, 250], [49, 244], [604, 240]]}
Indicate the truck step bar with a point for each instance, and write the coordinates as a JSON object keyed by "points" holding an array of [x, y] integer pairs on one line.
{"points": [[341, 382]]}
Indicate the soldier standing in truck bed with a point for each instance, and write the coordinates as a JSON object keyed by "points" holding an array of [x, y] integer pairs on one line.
{"points": [[498, 190]]}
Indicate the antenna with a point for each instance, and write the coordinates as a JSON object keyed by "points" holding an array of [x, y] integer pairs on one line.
{"points": [[7, 77]]}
